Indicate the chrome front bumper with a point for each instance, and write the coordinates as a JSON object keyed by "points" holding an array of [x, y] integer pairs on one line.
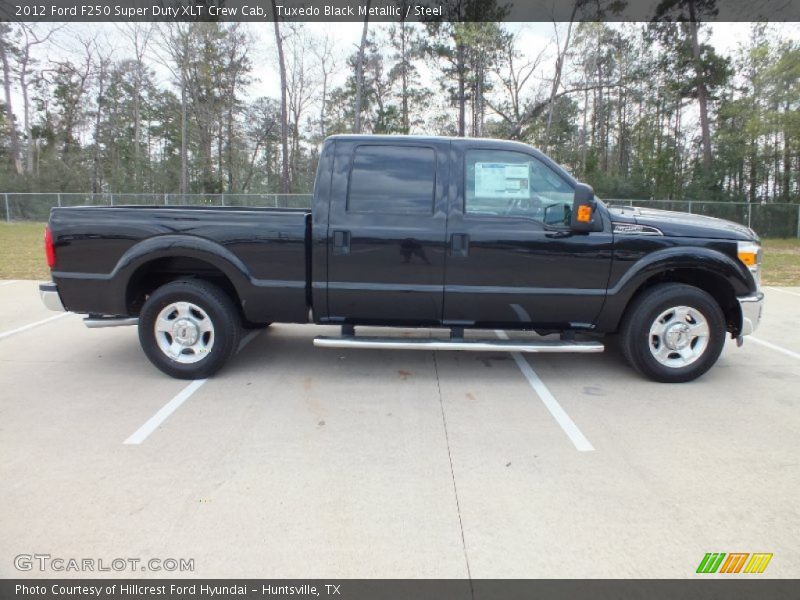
{"points": [[49, 295], [751, 312]]}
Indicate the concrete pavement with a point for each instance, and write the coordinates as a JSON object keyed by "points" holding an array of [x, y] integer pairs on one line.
{"points": [[298, 462]]}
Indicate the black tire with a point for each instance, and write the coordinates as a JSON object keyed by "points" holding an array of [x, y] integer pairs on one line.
{"points": [[636, 341], [215, 305]]}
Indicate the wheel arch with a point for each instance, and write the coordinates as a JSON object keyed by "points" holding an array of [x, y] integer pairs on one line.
{"points": [[156, 261], [709, 270], [714, 284]]}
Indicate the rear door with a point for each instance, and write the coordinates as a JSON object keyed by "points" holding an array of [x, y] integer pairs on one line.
{"points": [[386, 231]]}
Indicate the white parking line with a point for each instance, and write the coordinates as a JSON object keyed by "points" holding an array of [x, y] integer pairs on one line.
{"points": [[774, 289], [559, 414], [6, 334], [773, 347], [170, 407], [164, 412], [9, 282]]}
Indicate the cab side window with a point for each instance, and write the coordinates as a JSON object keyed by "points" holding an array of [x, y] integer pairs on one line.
{"points": [[501, 183]]}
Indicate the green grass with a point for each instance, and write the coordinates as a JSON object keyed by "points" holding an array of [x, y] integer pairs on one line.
{"points": [[781, 262], [22, 251], [22, 255]]}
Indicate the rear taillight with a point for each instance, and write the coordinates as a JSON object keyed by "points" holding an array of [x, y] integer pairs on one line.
{"points": [[49, 249]]}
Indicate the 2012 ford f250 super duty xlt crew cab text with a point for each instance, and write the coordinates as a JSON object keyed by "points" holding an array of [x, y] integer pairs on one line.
{"points": [[432, 232]]}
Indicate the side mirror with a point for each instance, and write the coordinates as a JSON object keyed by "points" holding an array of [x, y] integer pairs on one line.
{"points": [[584, 216]]}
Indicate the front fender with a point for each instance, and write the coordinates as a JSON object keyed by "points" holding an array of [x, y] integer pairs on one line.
{"points": [[708, 262]]}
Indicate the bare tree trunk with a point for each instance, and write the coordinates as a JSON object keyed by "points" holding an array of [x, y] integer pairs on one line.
{"points": [[229, 147], [26, 110], [184, 134], [12, 124], [327, 65], [787, 162], [220, 156], [602, 121], [702, 92], [477, 101], [322, 104], [462, 95], [584, 131], [101, 90], [284, 115], [31, 39], [404, 71], [360, 74], [560, 59], [137, 123], [753, 171]]}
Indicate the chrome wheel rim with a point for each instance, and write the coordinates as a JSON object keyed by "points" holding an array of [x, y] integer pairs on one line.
{"points": [[184, 332], [679, 336]]}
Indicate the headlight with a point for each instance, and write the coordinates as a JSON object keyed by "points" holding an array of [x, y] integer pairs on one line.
{"points": [[750, 254]]}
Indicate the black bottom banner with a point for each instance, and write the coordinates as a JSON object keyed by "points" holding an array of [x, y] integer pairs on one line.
{"points": [[394, 589]]}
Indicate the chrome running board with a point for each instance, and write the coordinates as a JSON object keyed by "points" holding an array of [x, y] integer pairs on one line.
{"points": [[97, 322], [395, 343]]}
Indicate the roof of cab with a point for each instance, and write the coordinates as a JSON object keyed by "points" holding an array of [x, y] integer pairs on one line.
{"points": [[487, 143], [424, 138]]}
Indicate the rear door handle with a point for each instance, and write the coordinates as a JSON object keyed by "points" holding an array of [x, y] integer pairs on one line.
{"points": [[459, 244], [341, 242]]}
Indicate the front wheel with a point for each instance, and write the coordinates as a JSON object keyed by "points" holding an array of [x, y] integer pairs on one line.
{"points": [[189, 328], [673, 333]]}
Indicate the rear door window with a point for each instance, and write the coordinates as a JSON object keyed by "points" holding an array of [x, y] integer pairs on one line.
{"points": [[392, 180]]}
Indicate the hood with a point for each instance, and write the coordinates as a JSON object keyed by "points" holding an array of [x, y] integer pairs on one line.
{"points": [[679, 224]]}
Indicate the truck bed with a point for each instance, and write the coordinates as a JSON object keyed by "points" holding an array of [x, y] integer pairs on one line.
{"points": [[100, 251]]}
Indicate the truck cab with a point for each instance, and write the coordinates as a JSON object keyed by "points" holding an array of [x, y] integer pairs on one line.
{"points": [[456, 233]]}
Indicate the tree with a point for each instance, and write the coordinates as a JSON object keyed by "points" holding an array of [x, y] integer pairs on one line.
{"points": [[7, 48], [323, 51], [284, 114], [103, 64], [407, 48], [139, 35], [176, 46], [449, 42], [31, 37], [689, 12], [360, 73], [514, 70]]}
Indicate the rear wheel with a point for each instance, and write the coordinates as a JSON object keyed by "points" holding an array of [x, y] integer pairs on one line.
{"points": [[673, 333], [189, 328]]}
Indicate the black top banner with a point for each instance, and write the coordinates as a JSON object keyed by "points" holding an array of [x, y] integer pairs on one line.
{"points": [[398, 10]]}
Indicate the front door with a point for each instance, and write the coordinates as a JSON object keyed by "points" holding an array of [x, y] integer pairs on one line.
{"points": [[512, 260]]}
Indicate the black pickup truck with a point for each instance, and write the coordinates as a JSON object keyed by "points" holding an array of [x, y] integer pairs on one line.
{"points": [[451, 233]]}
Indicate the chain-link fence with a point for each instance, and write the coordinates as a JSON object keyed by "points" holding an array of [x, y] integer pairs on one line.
{"points": [[781, 220], [771, 220], [36, 206]]}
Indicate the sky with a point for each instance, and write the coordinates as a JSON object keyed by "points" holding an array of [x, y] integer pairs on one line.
{"points": [[534, 37]]}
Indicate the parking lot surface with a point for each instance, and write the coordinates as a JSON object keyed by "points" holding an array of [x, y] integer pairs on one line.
{"points": [[296, 461]]}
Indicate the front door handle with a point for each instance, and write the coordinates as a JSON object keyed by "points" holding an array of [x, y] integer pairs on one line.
{"points": [[459, 244], [341, 242]]}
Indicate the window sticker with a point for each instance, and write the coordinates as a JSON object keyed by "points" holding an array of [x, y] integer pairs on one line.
{"points": [[501, 180]]}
